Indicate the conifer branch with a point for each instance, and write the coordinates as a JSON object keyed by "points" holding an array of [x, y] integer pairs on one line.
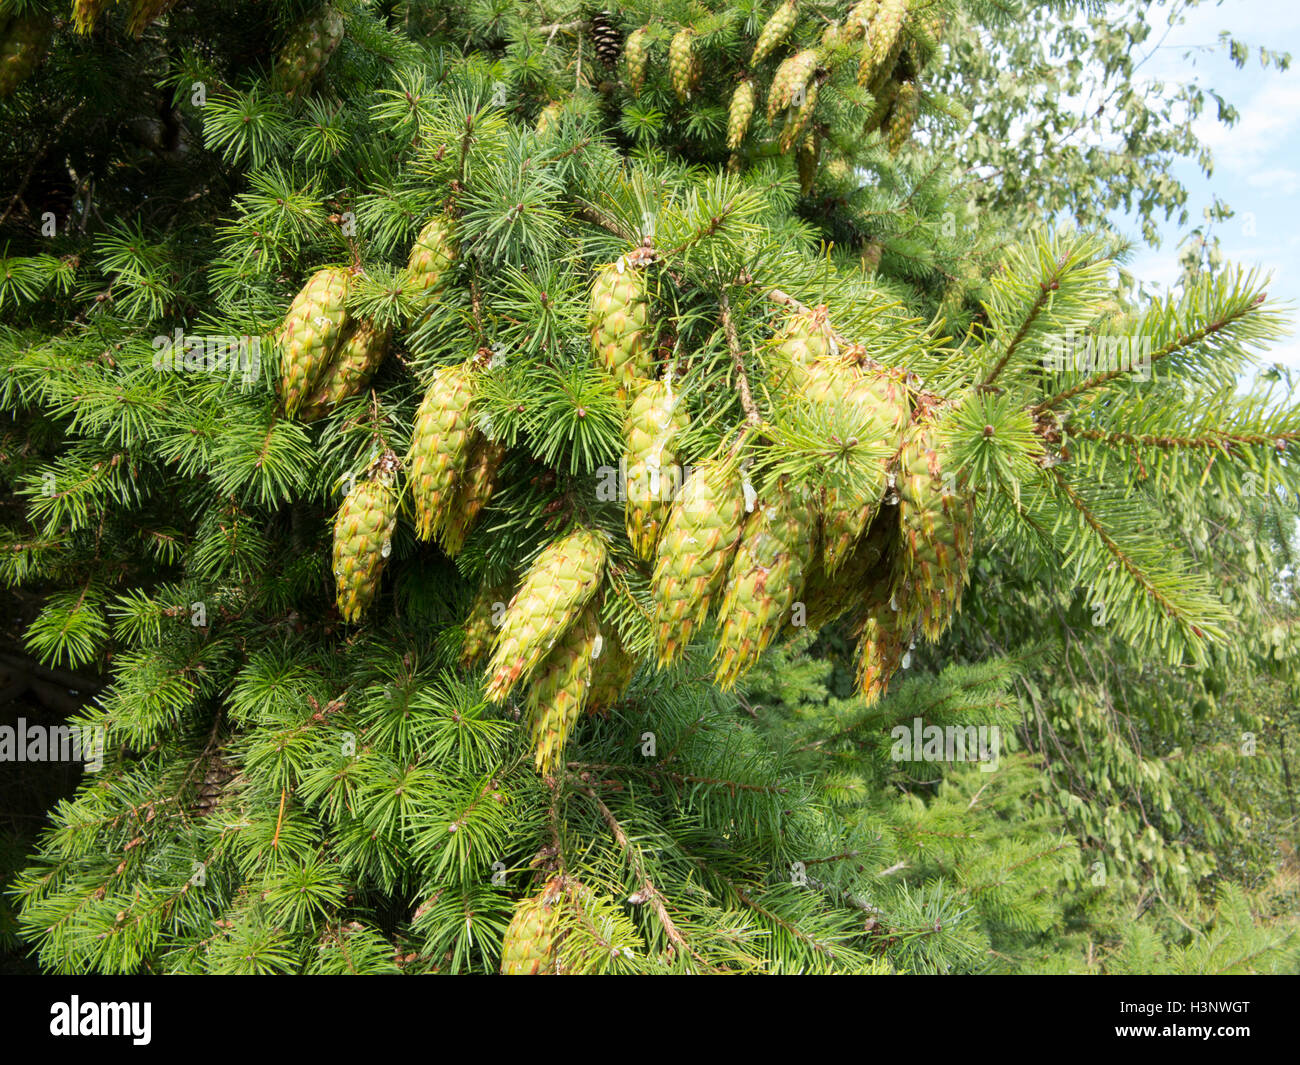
{"points": [[648, 889]]}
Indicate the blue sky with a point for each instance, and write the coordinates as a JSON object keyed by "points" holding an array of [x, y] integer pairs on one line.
{"points": [[1256, 162]]}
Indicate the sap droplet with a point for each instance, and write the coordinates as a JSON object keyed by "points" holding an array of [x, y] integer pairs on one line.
{"points": [[597, 646], [893, 603], [907, 660], [387, 549]]}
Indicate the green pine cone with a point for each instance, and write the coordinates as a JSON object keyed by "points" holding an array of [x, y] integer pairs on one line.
{"points": [[145, 12], [695, 549], [791, 75], [359, 354], [440, 445], [620, 318], [310, 44], [635, 54], [363, 533], [311, 333], [907, 105], [485, 613], [797, 119], [937, 512], [432, 254], [774, 31], [559, 583], [766, 574], [683, 64], [657, 415], [823, 599], [528, 948], [85, 13], [560, 688], [883, 42], [740, 113], [801, 340], [23, 43], [611, 673], [474, 490]]}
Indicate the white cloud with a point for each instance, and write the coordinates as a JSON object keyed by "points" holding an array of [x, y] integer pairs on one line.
{"points": [[1277, 179]]}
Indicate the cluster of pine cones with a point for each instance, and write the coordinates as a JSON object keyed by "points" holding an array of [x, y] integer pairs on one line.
{"points": [[891, 43]]}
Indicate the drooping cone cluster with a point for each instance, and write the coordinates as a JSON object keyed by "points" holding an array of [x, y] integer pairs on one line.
{"points": [[683, 64], [432, 254], [775, 30], [766, 571], [877, 401], [657, 415], [440, 445], [884, 639], [620, 318], [937, 514], [308, 48], [363, 532], [695, 549], [882, 40], [635, 54], [23, 42], [360, 351], [558, 585], [310, 335], [560, 689], [529, 946]]}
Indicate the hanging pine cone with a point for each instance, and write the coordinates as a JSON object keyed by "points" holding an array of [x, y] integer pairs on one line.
{"points": [[635, 56], [620, 316], [806, 162], [766, 574], [310, 335], [473, 491], [695, 549], [774, 31], [740, 113], [24, 40], [547, 118], [824, 598], [559, 583], [560, 688], [608, 39], [877, 399], [611, 673], [440, 444], [431, 256], [801, 340], [85, 13], [683, 64], [655, 418], [363, 534], [937, 512], [790, 76], [907, 105], [883, 41], [859, 18], [308, 48], [144, 13], [529, 946], [798, 117], [485, 612], [359, 354], [883, 643]]}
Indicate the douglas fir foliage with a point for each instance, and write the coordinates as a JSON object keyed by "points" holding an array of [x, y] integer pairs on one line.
{"points": [[601, 352]]}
